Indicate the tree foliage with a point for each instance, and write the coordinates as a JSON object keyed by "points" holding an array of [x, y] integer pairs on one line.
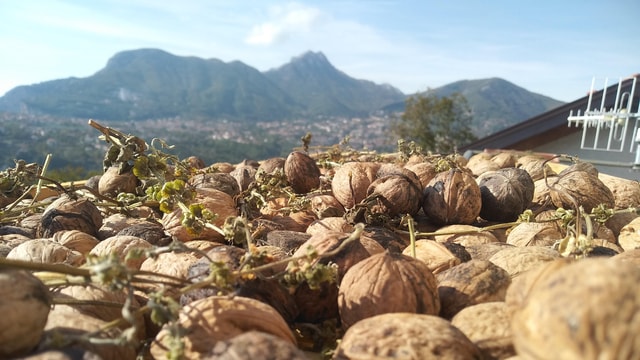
{"points": [[437, 124]]}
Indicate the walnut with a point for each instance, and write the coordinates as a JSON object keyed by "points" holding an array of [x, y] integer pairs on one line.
{"points": [[351, 181], [216, 201], [302, 172], [587, 310], [112, 182], [506, 193], [517, 260], [220, 318], [472, 282], [25, 303], [437, 257], [384, 283], [405, 336], [452, 197], [487, 325], [67, 213], [575, 188]]}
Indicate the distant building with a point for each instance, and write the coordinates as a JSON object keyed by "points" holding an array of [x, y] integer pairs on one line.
{"points": [[609, 140]]}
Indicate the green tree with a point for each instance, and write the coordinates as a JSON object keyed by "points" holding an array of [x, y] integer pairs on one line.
{"points": [[437, 124]]}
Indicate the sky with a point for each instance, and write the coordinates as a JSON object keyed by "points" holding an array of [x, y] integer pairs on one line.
{"points": [[554, 48]]}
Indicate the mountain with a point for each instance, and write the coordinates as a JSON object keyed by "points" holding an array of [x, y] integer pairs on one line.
{"points": [[311, 80], [151, 83], [496, 103]]}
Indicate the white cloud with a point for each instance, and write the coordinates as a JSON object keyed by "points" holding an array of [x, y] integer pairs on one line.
{"points": [[285, 22]]}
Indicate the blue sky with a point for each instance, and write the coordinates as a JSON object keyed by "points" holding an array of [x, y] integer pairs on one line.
{"points": [[549, 47]]}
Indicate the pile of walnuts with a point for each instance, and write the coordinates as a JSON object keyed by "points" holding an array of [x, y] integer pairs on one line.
{"points": [[501, 256]]}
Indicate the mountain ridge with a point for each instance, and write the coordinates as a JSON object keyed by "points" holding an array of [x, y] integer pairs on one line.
{"points": [[152, 83]]}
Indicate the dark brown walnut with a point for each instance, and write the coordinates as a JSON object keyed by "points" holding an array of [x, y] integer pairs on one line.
{"points": [[302, 172], [317, 305], [113, 224], [506, 193], [112, 182], [405, 336], [67, 213], [220, 318], [255, 345], [487, 326], [472, 282], [262, 288], [351, 181], [386, 283], [395, 194], [219, 181], [25, 304], [588, 310], [579, 188], [389, 239], [151, 231], [452, 197]]}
